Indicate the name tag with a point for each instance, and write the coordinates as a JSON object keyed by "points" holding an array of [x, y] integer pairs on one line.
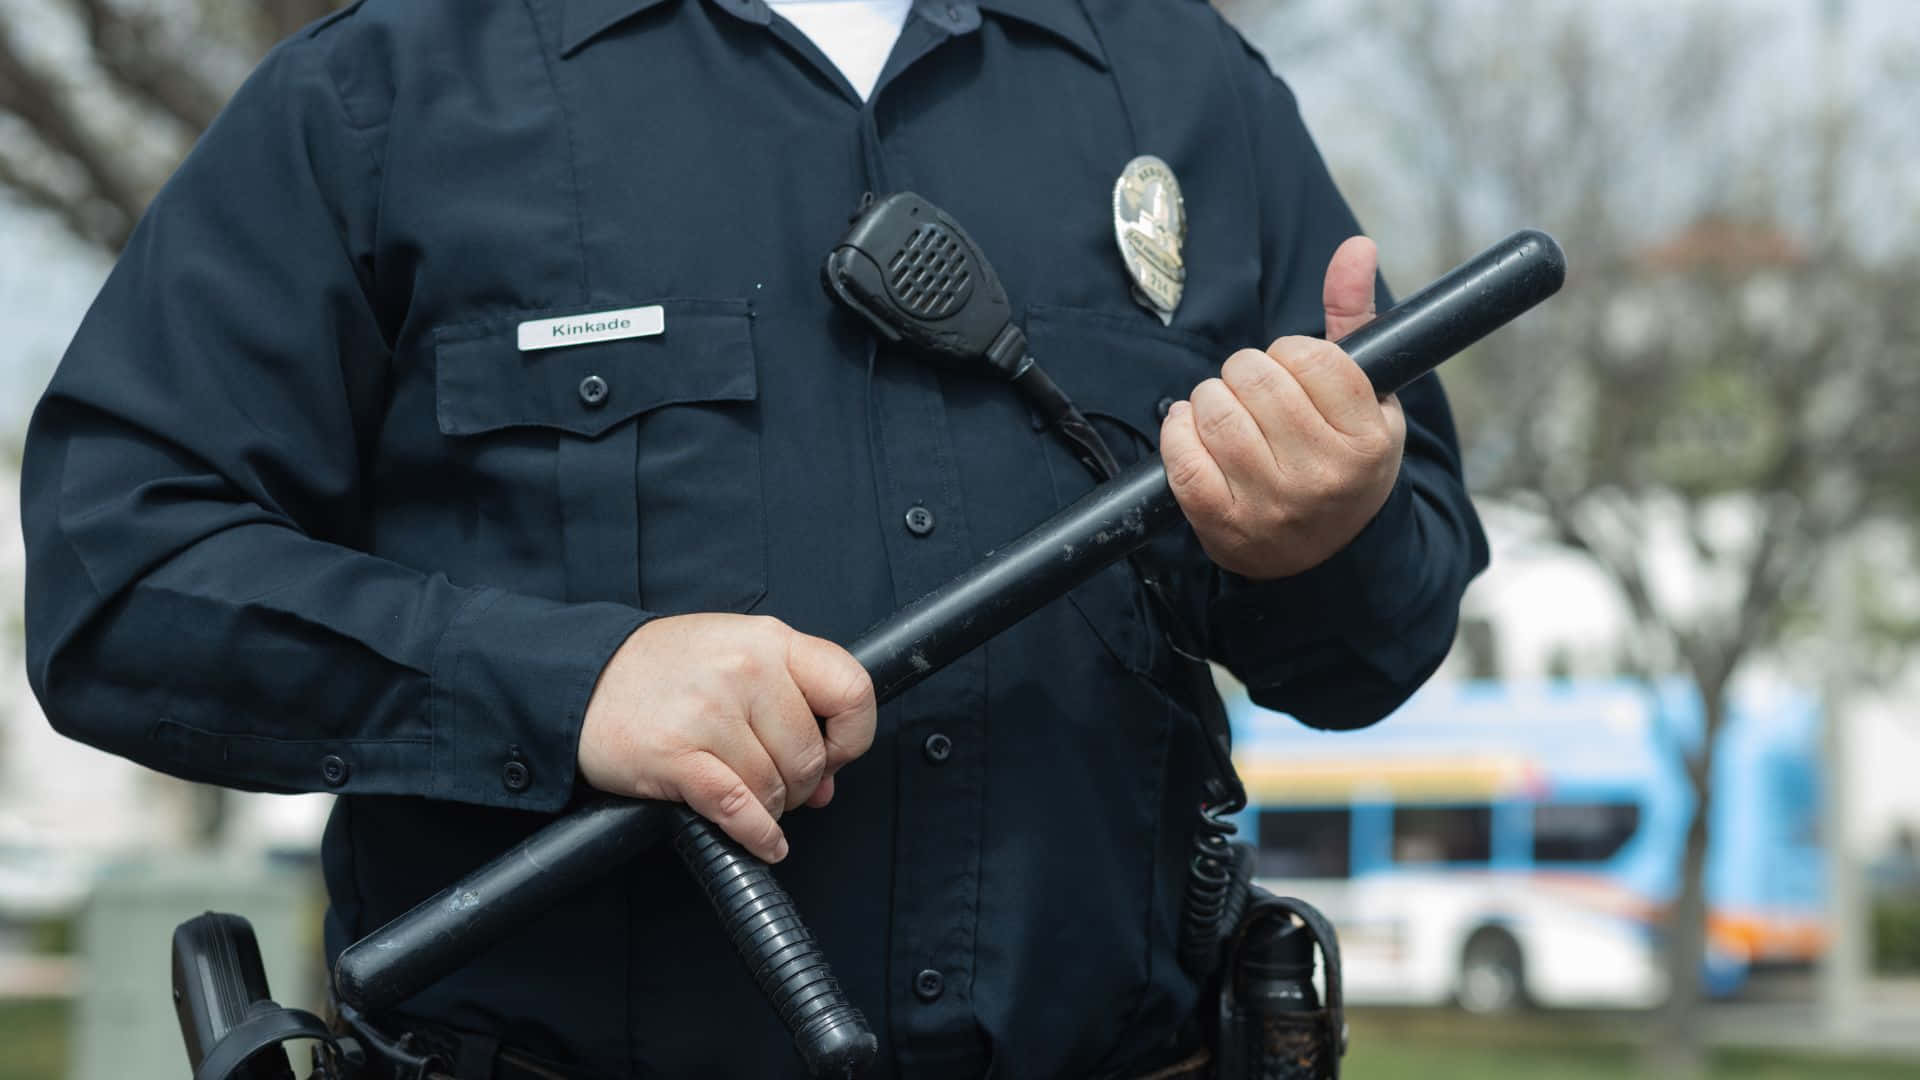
{"points": [[591, 327]]}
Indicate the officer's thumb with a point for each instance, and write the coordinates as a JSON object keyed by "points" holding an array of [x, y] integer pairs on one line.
{"points": [[1348, 295]]}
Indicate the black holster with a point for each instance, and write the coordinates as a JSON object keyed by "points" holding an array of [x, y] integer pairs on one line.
{"points": [[1257, 1037]]}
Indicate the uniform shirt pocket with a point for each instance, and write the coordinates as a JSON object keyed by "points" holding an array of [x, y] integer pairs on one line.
{"points": [[654, 450]]}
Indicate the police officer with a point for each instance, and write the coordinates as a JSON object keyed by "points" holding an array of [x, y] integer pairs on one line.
{"points": [[464, 427]]}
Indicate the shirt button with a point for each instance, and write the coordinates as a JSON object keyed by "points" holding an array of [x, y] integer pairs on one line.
{"points": [[1162, 407], [593, 391], [938, 748], [919, 521], [928, 984], [334, 770], [516, 776]]}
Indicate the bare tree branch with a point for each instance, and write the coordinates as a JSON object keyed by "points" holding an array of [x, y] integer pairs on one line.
{"points": [[171, 62], [128, 47], [286, 16], [32, 96], [36, 193]]}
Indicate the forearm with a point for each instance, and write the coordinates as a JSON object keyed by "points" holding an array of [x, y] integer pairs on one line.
{"points": [[260, 658]]}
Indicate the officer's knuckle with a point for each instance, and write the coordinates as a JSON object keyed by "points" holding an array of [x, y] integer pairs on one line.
{"points": [[730, 796], [1292, 513], [1184, 472], [741, 663], [1249, 371], [1285, 348], [811, 764], [862, 740], [1373, 443], [857, 690], [849, 741], [763, 778], [701, 780], [1221, 422], [1310, 359], [1328, 478]]}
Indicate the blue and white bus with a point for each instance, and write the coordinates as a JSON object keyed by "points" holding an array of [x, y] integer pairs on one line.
{"points": [[1493, 843]]}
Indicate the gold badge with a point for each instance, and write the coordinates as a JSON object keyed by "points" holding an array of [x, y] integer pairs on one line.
{"points": [[1150, 224]]}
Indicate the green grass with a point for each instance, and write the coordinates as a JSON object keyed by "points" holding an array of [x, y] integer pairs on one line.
{"points": [[1446, 1045], [33, 1040], [1384, 1060]]}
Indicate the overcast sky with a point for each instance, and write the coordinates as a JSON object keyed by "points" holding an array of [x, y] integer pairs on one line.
{"points": [[1341, 77]]}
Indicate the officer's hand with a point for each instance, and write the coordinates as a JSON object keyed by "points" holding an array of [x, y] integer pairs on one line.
{"points": [[719, 712], [1281, 461]]}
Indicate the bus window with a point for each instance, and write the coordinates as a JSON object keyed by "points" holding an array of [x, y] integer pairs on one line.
{"points": [[1442, 834], [1304, 843], [1794, 787], [1582, 832]]}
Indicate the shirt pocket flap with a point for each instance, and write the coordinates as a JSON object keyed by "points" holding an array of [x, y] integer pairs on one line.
{"points": [[1118, 367], [484, 382]]}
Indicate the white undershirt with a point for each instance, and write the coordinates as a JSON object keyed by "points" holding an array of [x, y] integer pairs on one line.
{"points": [[857, 35]]}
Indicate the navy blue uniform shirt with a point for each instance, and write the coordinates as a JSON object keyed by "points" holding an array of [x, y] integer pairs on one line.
{"points": [[302, 516]]}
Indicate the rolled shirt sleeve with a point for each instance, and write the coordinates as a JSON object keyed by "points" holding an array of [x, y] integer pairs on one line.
{"points": [[198, 594], [1344, 643]]}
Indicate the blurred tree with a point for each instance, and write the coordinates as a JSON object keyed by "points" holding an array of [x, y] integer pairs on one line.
{"points": [[1721, 403], [99, 99]]}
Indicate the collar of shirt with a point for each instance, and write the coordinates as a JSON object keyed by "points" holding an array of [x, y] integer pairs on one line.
{"points": [[584, 20]]}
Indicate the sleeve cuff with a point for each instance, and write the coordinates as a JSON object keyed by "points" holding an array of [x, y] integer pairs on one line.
{"points": [[511, 681], [1266, 630]]}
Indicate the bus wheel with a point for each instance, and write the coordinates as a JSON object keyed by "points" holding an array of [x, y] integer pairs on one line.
{"points": [[1490, 973]]}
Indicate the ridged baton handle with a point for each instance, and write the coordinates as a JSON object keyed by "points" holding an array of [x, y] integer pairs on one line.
{"points": [[784, 959]]}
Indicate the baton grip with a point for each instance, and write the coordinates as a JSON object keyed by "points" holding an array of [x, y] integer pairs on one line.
{"points": [[781, 953]]}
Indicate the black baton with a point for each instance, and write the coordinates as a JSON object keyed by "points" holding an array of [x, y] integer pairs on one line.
{"points": [[1105, 526]]}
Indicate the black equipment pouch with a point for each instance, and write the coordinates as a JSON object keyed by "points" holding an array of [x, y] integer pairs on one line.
{"points": [[1271, 1025], [233, 1030]]}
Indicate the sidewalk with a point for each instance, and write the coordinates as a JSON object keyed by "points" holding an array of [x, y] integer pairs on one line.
{"points": [[1886, 1024]]}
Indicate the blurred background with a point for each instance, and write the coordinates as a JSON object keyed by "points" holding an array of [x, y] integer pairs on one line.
{"points": [[1660, 812]]}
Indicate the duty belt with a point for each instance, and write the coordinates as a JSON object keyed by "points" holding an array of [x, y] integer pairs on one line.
{"points": [[432, 1052]]}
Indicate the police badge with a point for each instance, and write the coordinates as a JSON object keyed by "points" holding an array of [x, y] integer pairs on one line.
{"points": [[1150, 225]]}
